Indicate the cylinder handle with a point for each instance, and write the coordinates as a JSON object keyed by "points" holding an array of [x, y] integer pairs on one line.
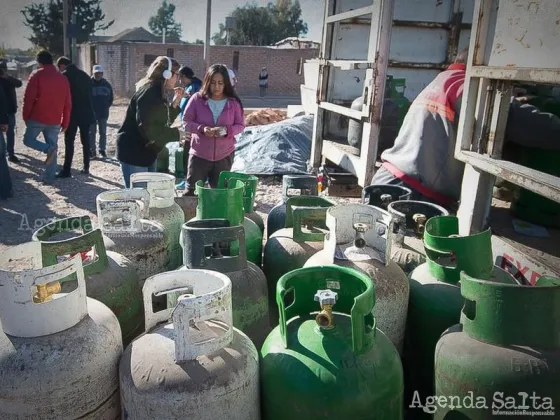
{"points": [[326, 298]]}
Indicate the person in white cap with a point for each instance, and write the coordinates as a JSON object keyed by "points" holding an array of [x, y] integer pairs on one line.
{"points": [[102, 93], [232, 77]]}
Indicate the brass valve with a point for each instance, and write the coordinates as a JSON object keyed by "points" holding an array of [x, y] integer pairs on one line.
{"points": [[326, 299], [420, 220], [361, 229], [46, 291]]}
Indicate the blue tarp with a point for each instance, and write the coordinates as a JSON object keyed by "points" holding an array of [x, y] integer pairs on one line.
{"points": [[275, 149]]}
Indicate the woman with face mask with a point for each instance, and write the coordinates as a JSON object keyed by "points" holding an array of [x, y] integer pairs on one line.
{"points": [[147, 125], [213, 116]]}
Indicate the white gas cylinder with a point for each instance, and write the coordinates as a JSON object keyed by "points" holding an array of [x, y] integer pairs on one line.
{"points": [[59, 352], [164, 210], [122, 217], [198, 366], [360, 237]]}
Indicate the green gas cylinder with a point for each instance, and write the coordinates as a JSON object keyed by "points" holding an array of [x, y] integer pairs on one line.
{"points": [[306, 184], [162, 161], [504, 356], [227, 203], [435, 296], [180, 163], [110, 277], [327, 360], [251, 182], [289, 248], [532, 207]]}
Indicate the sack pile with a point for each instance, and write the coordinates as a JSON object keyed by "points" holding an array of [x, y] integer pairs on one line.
{"points": [[265, 117]]}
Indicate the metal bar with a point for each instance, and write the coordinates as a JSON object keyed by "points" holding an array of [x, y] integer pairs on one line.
{"points": [[333, 152], [476, 198], [65, 16], [379, 53], [499, 119], [206, 52], [432, 25], [351, 14], [322, 86], [476, 189], [348, 64], [412, 65], [530, 179], [366, 64], [342, 110], [528, 74]]}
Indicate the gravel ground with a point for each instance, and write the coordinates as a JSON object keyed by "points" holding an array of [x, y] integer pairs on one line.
{"points": [[35, 203]]}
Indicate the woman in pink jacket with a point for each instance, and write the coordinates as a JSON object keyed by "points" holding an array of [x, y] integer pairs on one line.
{"points": [[214, 115]]}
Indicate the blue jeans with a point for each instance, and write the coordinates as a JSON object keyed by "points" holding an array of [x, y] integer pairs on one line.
{"points": [[102, 135], [128, 170], [50, 133], [11, 134], [5, 179]]}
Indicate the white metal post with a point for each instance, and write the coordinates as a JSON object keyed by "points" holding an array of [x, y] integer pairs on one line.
{"points": [[378, 52]]}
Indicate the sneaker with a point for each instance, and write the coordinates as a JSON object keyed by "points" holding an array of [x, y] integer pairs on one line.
{"points": [[13, 159], [51, 154]]}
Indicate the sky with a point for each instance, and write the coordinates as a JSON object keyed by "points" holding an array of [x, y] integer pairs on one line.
{"points": [[131, 13]]}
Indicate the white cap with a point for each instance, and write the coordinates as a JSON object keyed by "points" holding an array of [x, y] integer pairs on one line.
{"points": [[97, 69]]}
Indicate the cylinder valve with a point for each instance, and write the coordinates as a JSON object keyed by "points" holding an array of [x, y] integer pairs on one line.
{"points": [[361, 229], [326, 298], [420, 220], [386, 199], [46, 291]]}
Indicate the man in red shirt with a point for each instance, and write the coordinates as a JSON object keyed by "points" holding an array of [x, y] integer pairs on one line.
{"points": [[46, 109]]}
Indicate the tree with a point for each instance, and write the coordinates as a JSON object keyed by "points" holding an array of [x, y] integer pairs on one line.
{"points": [[256, 25], [45, 21], [164, 19]]}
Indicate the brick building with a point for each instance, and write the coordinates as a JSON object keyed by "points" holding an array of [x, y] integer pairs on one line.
{"points": [[125, 62]]}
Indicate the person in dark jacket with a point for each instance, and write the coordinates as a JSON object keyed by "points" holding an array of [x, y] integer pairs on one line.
{"points": [[102, 93], [81, 117], [10, 85], [147, 125], [5, 178]]}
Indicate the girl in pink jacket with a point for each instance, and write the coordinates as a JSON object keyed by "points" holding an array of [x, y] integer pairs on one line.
{"points": [[213, 116]]}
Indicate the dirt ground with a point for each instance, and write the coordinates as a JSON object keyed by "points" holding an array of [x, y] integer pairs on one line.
{"points": [[35, 204]]}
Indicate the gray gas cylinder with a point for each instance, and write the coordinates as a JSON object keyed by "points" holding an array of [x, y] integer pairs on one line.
{"points": [[410, 218], [59, 352], [381, 195], [360, 237], [191, 363], [163, 209], [122, 217], [206, 246]]}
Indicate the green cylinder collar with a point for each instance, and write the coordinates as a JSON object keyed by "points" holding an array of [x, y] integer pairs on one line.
{"points": [[448, 255], [356, 297], [505, 313], [221, 203]]}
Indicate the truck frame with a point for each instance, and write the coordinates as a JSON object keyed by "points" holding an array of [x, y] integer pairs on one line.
{"points": [[506, 41]]}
